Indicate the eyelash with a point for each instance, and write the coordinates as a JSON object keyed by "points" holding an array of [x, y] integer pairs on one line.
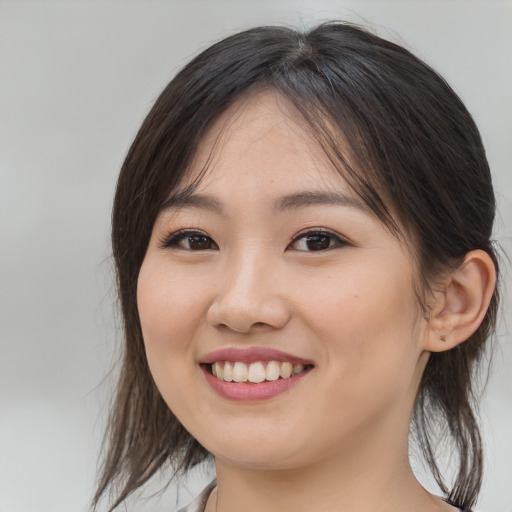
{"points": [[172, 241], [339, 241]]}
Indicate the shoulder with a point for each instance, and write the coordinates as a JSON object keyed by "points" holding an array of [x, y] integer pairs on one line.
{"points": [[198, 504]]}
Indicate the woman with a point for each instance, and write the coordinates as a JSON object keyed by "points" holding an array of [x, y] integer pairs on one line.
{"points": [[301, 233]]}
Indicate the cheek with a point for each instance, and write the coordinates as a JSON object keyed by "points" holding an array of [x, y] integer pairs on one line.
{"points": [[168, 312], [360, 298], [169, 315], [369, 322]]}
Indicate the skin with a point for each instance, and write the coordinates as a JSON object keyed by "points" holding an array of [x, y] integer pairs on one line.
{"points": [[339, 437]]}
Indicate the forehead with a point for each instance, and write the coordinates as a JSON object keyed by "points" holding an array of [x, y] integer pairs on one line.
{"points": [[261, 139]]}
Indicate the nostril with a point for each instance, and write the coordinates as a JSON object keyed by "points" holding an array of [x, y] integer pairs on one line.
{"points": [[247, 329], [245, 314]]}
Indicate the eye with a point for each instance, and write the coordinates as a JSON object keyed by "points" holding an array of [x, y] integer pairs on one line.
{"points": [[189, 240], [316, 240]]}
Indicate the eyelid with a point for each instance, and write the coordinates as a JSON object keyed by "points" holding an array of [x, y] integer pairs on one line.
{"points": [[341, 240], [171, 240]]}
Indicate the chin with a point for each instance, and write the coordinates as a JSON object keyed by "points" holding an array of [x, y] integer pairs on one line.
{"points": [[260, 450], [258, 460]]}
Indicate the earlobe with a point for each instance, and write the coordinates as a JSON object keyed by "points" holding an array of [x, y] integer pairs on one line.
{"points": [[460, 308]]}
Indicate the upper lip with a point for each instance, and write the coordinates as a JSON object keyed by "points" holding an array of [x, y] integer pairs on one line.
{"points": [[252, 355]]}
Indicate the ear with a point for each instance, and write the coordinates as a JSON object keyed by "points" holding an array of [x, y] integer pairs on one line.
{"points": [[461, 305]]}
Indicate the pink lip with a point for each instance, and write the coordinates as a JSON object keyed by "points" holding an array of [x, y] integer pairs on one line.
{"points": [[245, 391], [251, 355], [248, 392]]}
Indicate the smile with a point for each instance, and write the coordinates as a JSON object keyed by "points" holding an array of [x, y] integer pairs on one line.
{"points": [[253, 374], [256, 372]]}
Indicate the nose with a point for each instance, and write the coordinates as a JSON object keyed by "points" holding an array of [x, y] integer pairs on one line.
{"points": [[250, 297]]}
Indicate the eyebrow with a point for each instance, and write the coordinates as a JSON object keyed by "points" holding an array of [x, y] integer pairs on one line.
{"points": [[187, 198], [295, 201], [314, 198]]}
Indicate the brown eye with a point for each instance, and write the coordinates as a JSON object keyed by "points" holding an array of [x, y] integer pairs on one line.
{"points": [[190, 241], [196, 242], [317, 241]]}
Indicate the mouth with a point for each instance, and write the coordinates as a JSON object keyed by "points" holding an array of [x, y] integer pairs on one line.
{"points": [[256, 372], [253, 374]]}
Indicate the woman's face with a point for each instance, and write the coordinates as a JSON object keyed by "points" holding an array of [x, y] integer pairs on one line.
{"points": [[275, 275]]}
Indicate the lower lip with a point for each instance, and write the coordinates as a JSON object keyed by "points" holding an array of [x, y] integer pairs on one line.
{"points": [[247, 392]]}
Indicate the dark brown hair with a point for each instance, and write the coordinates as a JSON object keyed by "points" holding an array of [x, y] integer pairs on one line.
{"points": [[414, 151]]}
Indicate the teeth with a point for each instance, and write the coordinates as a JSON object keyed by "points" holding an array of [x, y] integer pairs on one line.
{"points": [[240, 372], [286, 370], [255, 372], [219, 370], [272, 372], [297, 368], [228, 372]]}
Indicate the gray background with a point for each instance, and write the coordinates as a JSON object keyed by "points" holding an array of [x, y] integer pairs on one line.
{"points": [[76, 79]]}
